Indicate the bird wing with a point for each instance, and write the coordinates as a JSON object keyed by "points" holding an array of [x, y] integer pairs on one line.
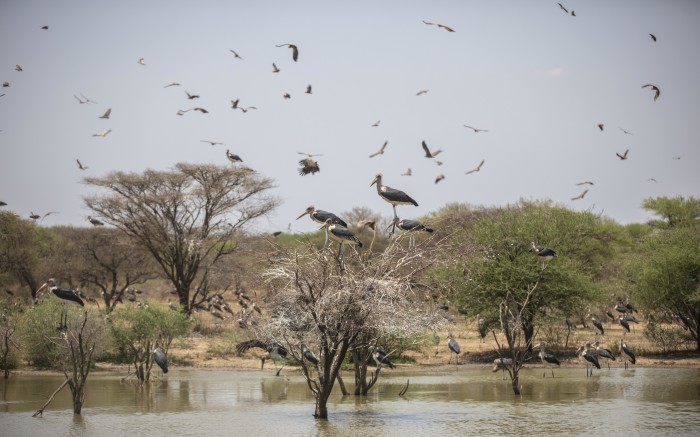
{"points": [[79, 164], [446, 28], [427, 151], [106, 114], [580, 196]]}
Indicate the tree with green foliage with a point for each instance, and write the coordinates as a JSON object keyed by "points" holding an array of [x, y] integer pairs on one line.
{"points": [[499, 266], [186, 217], [666, 274], [674, 211], [139, 331]]}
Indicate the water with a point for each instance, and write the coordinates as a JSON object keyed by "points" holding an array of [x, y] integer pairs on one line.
{"points": [[464, 401]]}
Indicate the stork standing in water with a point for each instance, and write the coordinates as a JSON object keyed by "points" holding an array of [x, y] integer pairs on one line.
{"points": [[160, 359], [410, 226], [548, 360], [391, 195], [321, 216], [604, 353], [453, 346], [342, 235], [273, 351], [588, 358], [627, 354], [542, 253], [65, 294]]}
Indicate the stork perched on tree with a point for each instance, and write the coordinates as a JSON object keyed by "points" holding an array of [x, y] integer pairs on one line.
{"points": [[65, 294], [453, 346], [604, 353], [308, 355], [409, 226], [342, 235], [160, 359], [391, 195], [627, 354], [380, 357], [547, 359], [273, 351], [542, 253], [321, 216]]}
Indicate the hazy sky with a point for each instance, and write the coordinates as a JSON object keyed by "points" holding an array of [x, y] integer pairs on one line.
{"points": [[538, 79]]}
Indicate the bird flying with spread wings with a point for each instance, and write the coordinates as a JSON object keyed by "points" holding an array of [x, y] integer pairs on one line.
{"points": [[213, 143], [103, 133], [476, 130], [584, 183], [601, 126], [438, 25], [428, 153], [477, 168], [624, 155], [235, 54], [408, 172], [380, 151], [274, 68], [80, 165], [376, 124], [657, 91], [580, 196], [439, 177], [106, 114], [295, 50], [653, 37], [421, 92]]}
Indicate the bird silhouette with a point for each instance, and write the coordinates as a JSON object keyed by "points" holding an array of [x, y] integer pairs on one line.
{"points": [[653, 37], [438, 25], [80, 165], [308, 89], [171, 84], [48, 214], [408, 172], [18, 68], [624, 155], [233, 158], [202, 110], [308, 165], [376, 124], [45, 27], [34, 216], [601, 126], [563, 8], [295, 50], [625, 131], [191, 96], [236, 55], [584, 183], [274, 68], [380, 151], [213, 143], [287, 96], [476, 130], [657, 91], [580, 196], [103, 133], [421, 92], [142, 61], [83, 100], [106, 114], [477, 168], [439, 177], [428, 153]]}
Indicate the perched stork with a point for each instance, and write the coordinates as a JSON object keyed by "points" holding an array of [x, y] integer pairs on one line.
{"points": [[604, 353], [273, 351], [160, 359], [626, 353], [320, 216], [380, 357], [548, 360], [308, 355], [391, 195], [543, 253], [453, 346], [65, 294], [232, 157], [409, 226], [342, 235]]}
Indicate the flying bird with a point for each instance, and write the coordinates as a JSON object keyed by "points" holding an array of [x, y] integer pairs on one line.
{"points": [[438, 25], [45, 27], [476, 130], [428, 153], [563, 8], [652, 180], [274, 68], [477, 168], [584, 183], [287, 96], [654, 88], [102, 134], [439, 177], [80, 165], [213, 143], [295, 50], [580, 196], [623, 156], [653, 37], [376, 124], [5, 84], [408, 172], [601, 126], [308, 165], [34, 216], [625, 131], [235, 54], [142, 61], [48, 214], [233, 158], [308, 89], [172, 84], [83, 100], [202, 110], [191, 96], [380, 151], [18, 68], [106, 114], [421, 92]]}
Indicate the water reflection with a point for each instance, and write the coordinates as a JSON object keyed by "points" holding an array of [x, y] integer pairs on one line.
{"points": [[463, 401]]}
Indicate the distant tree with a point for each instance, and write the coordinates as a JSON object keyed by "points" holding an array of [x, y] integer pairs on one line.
{"points": [[674, 211], [187, 217], [9, 315], [22, 245], [335, 311], [138, 331]]}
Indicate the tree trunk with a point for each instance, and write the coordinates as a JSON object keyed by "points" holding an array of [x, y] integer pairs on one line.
{"points": [[78, 395], [528, 332], [514, 382], [360, 374]]}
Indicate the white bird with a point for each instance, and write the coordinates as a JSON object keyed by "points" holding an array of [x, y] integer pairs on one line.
{"points": [[102, 134], [380, 151], [142, 61], [408, 172], [477, 168], [274, 68]]}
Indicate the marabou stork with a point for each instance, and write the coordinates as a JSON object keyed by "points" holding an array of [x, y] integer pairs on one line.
{"points": [[95, 222], [598, 325], [453, 346], [604, 353], [380, 357], [232, 157], [625, 325], [391, 195], [342, 235], [627, 354], [409, 226], [65, 294], [547, 359], [483, 329], [503, 364], [542, 253], [588, 358], [308, 355], [320, 216], [160, 359], [273, 351]]}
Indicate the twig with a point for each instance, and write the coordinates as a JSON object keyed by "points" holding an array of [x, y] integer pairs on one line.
{"points": [[40, 411], [404, 389]]}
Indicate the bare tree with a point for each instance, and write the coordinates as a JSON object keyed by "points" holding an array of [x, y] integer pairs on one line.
{"points": [[8, 322], [186, 218], [335, 310]]}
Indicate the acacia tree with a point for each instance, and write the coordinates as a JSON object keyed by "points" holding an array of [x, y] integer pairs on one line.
{"points": [[187, 217], [336, 310]]}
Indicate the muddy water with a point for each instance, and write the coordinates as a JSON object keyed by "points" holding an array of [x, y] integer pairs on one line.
{"points": [[653, 401]]}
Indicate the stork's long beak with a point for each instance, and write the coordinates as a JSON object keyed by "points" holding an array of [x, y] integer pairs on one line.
{"points": [[393, 223], [42, 287], [374, 181], [302, 214]]}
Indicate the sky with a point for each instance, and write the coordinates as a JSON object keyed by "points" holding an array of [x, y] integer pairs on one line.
{"points": [[538, 79]]}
